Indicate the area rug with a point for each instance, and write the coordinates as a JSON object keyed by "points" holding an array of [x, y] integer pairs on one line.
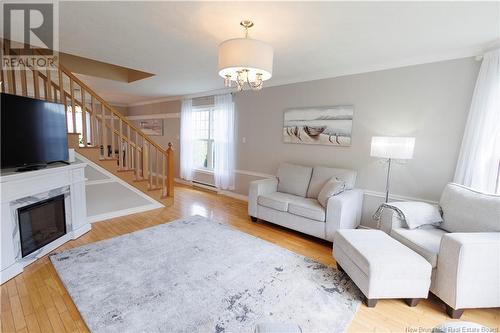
{"points": [[197, 275]]}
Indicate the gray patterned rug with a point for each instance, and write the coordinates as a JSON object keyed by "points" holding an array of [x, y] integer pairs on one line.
{"points": [[196, 275]]}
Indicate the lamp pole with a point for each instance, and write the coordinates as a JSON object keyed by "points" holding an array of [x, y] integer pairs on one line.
{"points": [[387, 181]]}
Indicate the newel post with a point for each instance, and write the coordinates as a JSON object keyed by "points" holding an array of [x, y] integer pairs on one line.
{"points": [[170, 170]]}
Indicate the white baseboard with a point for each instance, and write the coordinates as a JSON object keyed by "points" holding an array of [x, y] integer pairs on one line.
{"points": [[219, 192], [233, 195]]}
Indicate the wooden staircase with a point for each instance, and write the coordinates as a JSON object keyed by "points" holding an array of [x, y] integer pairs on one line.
{"points": [[98, 131]]}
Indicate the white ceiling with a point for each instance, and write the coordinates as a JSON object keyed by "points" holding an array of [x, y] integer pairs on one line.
{"points": [[178, 41]]}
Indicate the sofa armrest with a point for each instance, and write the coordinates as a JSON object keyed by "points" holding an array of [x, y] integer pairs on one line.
{"points": [[468, 270], [260, 187], [343, 211]]}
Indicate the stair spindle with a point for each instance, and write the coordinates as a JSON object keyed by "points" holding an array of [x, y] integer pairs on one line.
{"points": [[73, 106], [84, 118], [164, 175], [137, 162], [48, 86], [128, 154], [36, 84], [24, 84], [62, 92], [170, 170], [150, 168], [104, 134], [120, 146], [11, 81], [93, 120], [112, 123], [157, 169]]}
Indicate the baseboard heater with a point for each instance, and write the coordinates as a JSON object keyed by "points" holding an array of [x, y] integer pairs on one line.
{"points": [[204, 186]]}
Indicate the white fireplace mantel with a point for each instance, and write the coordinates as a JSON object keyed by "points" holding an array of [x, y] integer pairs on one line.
{"points": [[17, 188]]}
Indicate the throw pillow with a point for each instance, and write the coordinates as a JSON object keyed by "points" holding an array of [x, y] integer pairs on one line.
{"points": [[417, 214], [332, 187]]}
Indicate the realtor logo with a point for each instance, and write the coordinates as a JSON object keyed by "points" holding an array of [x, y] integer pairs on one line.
{"points": [[29, 35], [29, 24]]}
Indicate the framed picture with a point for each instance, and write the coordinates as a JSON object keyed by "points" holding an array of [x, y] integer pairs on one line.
{"points": [[151, 126], [331, 125]]}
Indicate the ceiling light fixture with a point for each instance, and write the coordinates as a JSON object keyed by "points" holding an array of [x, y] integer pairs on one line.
{"points": [[246, 61]]}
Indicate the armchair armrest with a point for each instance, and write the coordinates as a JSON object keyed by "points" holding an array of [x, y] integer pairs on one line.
{"points": [[260, 187], [468, 270], [389, 219], [343, 211]]}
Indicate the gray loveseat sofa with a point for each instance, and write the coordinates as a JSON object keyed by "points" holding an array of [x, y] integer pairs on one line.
{"points": [[464, 250], [290, 200]]}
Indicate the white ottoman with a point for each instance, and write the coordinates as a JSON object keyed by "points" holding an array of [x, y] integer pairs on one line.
{"points": [[381, 266]]}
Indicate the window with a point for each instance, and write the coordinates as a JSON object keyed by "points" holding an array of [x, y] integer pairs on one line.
{"points": [[79, 123], [203, 149]]}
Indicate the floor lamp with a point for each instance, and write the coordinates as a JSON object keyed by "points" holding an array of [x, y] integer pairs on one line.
{"points": [[391, 147]]}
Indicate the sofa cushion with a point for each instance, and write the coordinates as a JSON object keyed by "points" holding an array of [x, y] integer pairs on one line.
{"points": [[425, 242], [466, 210], [321, 175], [294, 179], [277, 200], [308, 208]]}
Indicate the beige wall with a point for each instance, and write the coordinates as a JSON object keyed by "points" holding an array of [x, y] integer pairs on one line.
{"points": [[122, 109], [429, 102], [156, 108]]}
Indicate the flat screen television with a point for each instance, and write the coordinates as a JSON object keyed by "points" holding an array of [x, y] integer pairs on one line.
{"points": [[33, 132]]}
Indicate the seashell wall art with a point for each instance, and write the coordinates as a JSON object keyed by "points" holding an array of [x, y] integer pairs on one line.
{"points": [[330, 125]]}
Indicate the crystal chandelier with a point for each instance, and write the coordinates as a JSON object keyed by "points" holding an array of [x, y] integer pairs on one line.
{"points": [[248, 62]]}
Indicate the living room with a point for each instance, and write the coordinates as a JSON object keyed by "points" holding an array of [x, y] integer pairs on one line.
{"points": [[251, 167]]}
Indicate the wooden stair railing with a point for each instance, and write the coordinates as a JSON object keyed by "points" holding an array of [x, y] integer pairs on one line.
{"points": [[98, 124]]}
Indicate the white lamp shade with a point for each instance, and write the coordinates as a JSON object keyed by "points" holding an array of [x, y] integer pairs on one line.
{"points": [[245, 53], [393, 147]]}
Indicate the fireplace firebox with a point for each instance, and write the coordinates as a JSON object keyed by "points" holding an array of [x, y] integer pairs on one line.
{"points": [[41, 223]]}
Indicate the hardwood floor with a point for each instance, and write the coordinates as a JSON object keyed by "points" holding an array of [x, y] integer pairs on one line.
{"points": [[36, 300]]}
